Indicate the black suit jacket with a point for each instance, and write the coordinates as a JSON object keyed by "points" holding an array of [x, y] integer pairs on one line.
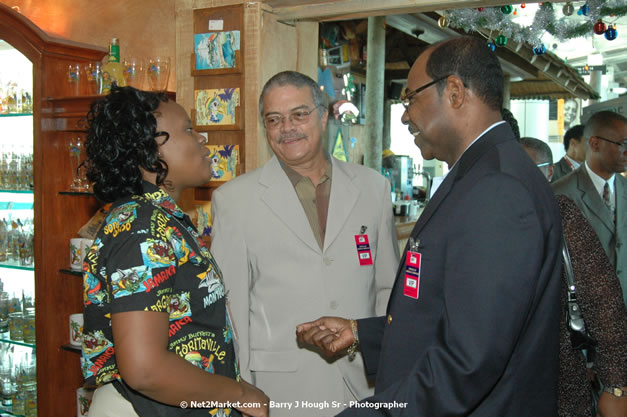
{"points": [[482, 338]]}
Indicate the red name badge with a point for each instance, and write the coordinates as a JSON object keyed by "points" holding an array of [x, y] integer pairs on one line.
{"points": [[363, 250], [412, 275]]}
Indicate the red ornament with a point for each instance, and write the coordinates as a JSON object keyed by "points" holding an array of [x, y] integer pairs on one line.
{"points": [[523, 5], [599, 27], [480, 9]]}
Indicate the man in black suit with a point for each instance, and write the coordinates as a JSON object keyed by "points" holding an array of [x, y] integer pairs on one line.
{"points": [[472, 323], [575, 147]]}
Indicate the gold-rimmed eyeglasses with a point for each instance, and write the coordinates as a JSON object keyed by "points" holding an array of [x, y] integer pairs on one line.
{"points": [[407, 96], [622, 146], [297, 117]]}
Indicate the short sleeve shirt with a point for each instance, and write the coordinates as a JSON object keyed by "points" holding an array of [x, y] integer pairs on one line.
{"points": [[147, 256]]}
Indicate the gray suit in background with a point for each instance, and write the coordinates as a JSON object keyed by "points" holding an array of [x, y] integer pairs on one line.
{"points": [[578, 187], [561, 169]]}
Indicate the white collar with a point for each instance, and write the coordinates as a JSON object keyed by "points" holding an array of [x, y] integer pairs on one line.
{"points": [[476, 139], [574, 164], [599, 182]]}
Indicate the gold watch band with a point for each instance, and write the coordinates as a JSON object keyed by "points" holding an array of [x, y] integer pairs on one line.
{"points": [[615, 391]]}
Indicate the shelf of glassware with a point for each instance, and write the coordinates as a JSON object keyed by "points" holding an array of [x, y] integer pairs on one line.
{"points": [[15, 114], [6, 411]]}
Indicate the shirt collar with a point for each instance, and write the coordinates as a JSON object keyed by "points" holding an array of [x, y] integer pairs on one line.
{"points": [[295, 177], [160, 198], [471, 143], [599, 182], [573, 163]]}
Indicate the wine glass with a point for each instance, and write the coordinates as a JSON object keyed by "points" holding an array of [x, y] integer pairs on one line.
{"points": [[158, 73], [74, 79], [93, 73], [134, 71]]}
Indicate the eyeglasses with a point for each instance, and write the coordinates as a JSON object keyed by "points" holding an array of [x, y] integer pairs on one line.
{"points": [[406, 99], [297, 117], [622, 146]]}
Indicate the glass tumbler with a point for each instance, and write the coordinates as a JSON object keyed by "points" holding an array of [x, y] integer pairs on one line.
{"points": [[158, 73]]}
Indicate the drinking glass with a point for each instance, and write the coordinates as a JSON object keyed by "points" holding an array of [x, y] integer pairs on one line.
{"points": [[79, 181], [93, 74], [74, 79], [158, 73], [134, 71]]}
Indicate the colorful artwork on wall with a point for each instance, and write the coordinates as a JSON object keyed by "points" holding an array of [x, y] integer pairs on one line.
{"points": [[216, 106], [224, 161], [216, 50]]}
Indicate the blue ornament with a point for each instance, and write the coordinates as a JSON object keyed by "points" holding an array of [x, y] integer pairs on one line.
{"points": [[492, 46], [540, 49], [611, 33], [585, 9]]}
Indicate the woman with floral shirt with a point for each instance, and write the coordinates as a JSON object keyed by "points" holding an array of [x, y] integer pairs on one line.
{"points": [[157, 335]]}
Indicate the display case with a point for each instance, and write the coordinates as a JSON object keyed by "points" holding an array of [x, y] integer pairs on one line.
{"points": [[53, 116], [17, 281]]}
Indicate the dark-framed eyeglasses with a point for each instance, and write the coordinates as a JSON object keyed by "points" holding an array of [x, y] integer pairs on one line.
{"points": [[622, 146], [298, 117], [407, 96]]}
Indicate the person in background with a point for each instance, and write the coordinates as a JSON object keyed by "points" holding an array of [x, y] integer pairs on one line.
{"points": [[540, 152], [508, 116], [575, 147], [600, 299], [304, 235], [477, 288], [157, 336], [599, 190]]}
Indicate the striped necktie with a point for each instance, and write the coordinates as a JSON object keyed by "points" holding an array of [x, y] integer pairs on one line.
{"points": [[606, 199]]}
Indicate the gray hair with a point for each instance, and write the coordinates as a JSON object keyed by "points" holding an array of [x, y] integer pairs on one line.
{"points": [[542, 149], [297, 80]]}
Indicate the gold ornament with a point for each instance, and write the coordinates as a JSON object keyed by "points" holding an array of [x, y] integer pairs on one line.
{"points": [[443, 21]]}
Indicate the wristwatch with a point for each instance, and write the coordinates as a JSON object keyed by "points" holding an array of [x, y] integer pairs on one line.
{"points": [[616, 391]]}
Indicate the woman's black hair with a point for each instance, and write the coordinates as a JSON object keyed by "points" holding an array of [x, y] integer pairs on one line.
{"points": [[122, 137]]}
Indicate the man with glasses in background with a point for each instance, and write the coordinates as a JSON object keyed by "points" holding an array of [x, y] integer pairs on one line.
{"points": [[472, 324], [540, 153], [302, 236], [599, 189]]}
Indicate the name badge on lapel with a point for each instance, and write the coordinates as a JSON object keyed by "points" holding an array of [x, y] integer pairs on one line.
{"points": [[411, 287], [363, 247]]}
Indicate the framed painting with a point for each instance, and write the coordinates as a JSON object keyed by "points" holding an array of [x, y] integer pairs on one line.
{"points": [[217, 109], [216, 53]]}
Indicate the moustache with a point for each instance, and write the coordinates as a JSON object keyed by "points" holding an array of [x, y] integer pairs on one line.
{"points": [[288, 137]]}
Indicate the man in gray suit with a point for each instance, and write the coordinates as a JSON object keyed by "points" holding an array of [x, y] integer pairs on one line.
{"points": [[599, 190], [302, 236], [575, 147]]}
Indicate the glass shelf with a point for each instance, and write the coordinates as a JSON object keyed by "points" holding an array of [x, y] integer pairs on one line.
{"points": [[4, 338], [16, 191], [75, 193], [71, 348], [15, 114], [15, 265], [71, 272], [6, 411]]}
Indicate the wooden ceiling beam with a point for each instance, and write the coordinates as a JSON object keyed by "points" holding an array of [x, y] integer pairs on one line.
{"points": [[353, 9]]}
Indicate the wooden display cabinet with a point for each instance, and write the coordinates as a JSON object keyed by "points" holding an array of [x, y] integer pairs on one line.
{"points": [[57, 117]]}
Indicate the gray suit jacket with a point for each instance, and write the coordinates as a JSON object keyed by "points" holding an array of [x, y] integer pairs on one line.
{"points": [[579, 188], [277, 276], [562, 168]]}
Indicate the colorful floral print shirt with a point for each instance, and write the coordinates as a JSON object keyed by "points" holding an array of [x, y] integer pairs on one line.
{"points": [[147, 256]]}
